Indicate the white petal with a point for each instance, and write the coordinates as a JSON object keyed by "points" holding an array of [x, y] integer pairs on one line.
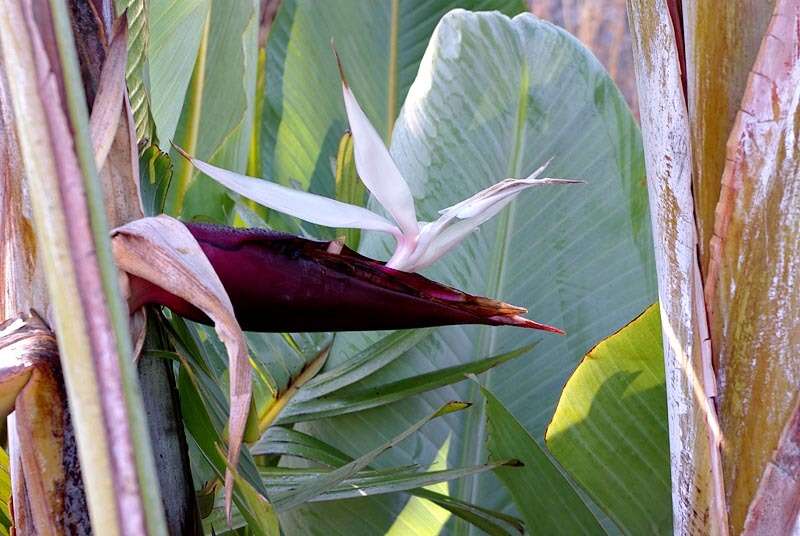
{"points": [[306, 206], [377, 169], [458, 221]]}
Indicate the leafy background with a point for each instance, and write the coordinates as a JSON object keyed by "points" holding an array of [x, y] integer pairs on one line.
{"points": [[491, 98], [488, 103]]}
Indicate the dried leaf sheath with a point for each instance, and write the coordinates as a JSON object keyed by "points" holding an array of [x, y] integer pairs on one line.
{"points": [[161, 250], [280, 282]]}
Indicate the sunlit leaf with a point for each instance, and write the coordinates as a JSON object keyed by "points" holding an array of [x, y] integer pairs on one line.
{"points": [[349, 188], [285, 441], [609, 430]]}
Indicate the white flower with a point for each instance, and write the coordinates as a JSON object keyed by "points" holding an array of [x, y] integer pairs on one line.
{"points": [[418, 244]]}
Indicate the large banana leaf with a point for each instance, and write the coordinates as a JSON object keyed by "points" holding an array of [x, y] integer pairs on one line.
{"points": [[216, 120], [554, 507], [610, 427], [497, 98], [383, 41], [174, 30]]}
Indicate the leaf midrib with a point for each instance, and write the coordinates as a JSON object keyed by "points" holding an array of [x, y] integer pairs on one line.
{"points": [[475, 426], [391, 89]]}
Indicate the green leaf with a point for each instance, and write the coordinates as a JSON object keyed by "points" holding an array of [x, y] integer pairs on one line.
{"points": [[498, 98], [175, 33], [382, 41], [207, 435], [281, 480], [359, 398], [137, 70], [155, 174], [610, 427], [324, 483], [217, 115], [5, 493], [375, 357], [288, 442], [547, 500]]}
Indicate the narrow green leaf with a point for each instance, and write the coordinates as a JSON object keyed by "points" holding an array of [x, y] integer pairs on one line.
{"points": [[555, 507], [155, 174], [206, 433], [305, 493], [367, 362], [610, 427], [281, 480], [285, 441], [355, 398]]}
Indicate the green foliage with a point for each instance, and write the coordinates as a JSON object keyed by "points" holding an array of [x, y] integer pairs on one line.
{"points": [[497, 98], [348, 186], [5, 494], [216, 119], [382, 41], [155, 174], [544, 496], [493, 98], [610, 427]]}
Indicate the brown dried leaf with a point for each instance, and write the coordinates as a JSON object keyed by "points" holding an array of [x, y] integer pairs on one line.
{"points": [[51, 499], [162, 251], [113, 136], [108, 103]]}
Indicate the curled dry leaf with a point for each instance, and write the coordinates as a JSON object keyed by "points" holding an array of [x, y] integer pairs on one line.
{"points": [[30, 383], [108, 103], [162, 251]]}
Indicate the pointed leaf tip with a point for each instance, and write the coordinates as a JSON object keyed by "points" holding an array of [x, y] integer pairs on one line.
{"points": [[180, 150], [452, 407], [339, 64]]}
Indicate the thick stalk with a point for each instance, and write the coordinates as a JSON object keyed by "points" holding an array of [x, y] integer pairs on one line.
{"points": [[72, 238]]}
